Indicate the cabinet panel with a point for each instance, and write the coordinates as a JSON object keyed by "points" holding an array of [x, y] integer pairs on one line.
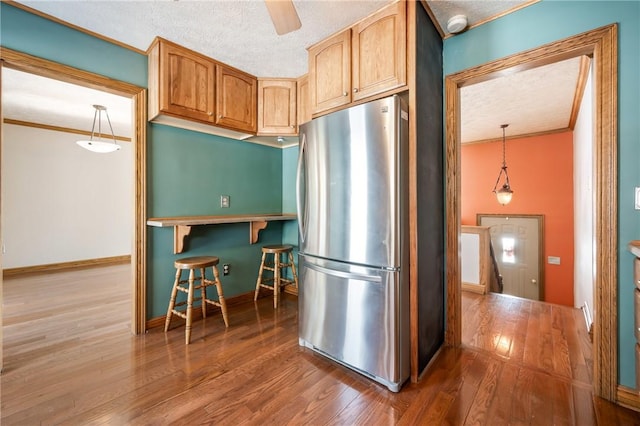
{"points": [[304, 101], [186, 83], [636, 314], [276, 107], [379, 52], [236, 102], [636, 272], [330, 72]]}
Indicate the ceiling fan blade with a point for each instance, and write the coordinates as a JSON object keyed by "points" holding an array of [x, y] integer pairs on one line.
{"points": [[284, 16]]}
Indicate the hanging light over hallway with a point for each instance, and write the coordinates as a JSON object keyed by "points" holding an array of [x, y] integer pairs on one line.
{"points": [[505, 193]]}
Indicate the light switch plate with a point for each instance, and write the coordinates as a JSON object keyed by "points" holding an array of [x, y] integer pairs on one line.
{"points": [[637, 198], [224, 201]]}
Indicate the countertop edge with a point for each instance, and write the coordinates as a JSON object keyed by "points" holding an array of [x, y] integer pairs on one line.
{"points": [[212, 220]]}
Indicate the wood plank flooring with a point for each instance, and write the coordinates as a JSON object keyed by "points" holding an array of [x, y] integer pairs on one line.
{"points": [[70, 359]]}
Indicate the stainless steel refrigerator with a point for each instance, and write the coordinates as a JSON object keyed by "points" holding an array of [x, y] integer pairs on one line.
{"points": [[352, 192]]}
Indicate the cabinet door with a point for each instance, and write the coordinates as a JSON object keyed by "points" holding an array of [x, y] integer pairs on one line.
{"points": [[186, 83], [276, 107], [304, 102], [330, 72], [379, 52], [236, 103]]}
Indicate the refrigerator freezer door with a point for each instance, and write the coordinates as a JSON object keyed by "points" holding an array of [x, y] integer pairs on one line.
{"points": [[353, 195], [357, 316]]}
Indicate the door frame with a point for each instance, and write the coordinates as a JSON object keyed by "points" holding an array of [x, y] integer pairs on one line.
{"points": [[540, 219], [601, 45], [138, 95]]}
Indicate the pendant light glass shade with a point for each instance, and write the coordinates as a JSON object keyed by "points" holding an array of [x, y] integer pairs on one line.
{"points": [[505, 193], [99, 146]]}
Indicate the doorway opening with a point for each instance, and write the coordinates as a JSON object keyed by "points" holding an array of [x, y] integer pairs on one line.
{"points": [[517, 243], [600, 45], [45, 68]]}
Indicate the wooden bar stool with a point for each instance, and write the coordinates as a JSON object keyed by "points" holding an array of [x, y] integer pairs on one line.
{"points": [[193, 263], [278, 279]]}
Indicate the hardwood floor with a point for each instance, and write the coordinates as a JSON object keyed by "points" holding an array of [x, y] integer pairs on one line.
{"points": [[70, 359]]}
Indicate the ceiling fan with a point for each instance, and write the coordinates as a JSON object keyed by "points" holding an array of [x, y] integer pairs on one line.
{"points": [[284, 16]]}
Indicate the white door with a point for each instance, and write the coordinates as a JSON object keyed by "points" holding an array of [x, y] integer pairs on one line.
{"points": [[516, 244]]}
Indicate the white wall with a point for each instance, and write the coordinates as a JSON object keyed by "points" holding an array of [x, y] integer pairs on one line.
{"points": [[584, 200], [470, 255], [61, 202]]}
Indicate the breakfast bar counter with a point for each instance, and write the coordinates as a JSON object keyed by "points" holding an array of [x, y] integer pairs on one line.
{"points": [[182, 224]]}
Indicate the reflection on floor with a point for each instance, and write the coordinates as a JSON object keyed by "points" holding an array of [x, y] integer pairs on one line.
{"points": [[70, 358]]}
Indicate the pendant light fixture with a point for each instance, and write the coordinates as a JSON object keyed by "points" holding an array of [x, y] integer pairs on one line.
{"points": [[99, 145], [505, 193]]}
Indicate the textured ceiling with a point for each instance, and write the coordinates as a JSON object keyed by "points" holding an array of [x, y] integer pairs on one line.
{"points": [[35, 99], [532, 101], [240, 33]]}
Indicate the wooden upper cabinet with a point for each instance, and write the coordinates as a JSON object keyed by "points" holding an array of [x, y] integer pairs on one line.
{"points": [[277, 107], [304, 101], [379, 52], [183, 82], [368, 59], [236, 102], [330, 72], [191, 91]]}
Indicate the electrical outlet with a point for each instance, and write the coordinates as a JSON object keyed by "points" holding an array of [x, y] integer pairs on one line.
{"points": [[637, 198], [224, 201], [226, 268]]}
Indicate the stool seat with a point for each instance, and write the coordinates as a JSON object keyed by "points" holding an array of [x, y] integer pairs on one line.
{"points": [[277, 248], [278, 279], [196, 262], [189, 287]]}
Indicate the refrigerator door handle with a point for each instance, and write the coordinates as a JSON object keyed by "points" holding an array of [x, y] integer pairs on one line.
{"points": [[301, 205], [347, 275]]}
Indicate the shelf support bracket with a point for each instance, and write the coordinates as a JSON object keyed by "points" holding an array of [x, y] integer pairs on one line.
{"points": [[254, 228], [180, 234]]}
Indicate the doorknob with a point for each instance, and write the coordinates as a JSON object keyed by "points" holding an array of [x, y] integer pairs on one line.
{"points": [[534, 282]]}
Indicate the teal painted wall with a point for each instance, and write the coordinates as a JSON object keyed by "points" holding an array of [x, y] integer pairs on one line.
{"points": [[187, 171], [548, 21], [289, 164], [40, 37]]}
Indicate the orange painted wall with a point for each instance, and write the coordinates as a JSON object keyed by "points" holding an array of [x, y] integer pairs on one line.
{"points": [[536, 165]]}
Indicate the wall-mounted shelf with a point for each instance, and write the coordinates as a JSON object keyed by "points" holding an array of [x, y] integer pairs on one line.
{"points": [[182, 225]]}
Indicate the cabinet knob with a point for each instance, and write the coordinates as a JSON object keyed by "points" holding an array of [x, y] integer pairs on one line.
{"points": [[355, 90], [345, 93], [292, 126], [210, 113], [220, 116]]}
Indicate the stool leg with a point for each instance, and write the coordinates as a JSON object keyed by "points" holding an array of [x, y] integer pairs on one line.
{"points": [[276, 279], [293, 269], [255, 297], [189, 307], [223, 303], [203, 293], [172, 300]]}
